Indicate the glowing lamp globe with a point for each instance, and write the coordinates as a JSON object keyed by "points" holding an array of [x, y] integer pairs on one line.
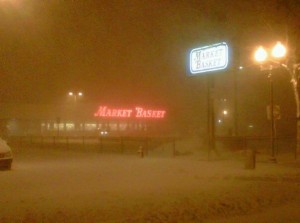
{"points": [[279, 50], [260, 54]]}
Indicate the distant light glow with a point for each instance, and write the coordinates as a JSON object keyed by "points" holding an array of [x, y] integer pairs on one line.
{"points": [[241, 67], [225, 112], [103, 133], [219, 121], [209, 58], [75, 95], [70, 126]]}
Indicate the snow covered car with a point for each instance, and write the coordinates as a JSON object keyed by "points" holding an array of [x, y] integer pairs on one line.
{"points": [[6, 157]]}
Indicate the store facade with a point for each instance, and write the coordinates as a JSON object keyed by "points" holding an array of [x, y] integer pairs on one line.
{"points": [[83, 119]]}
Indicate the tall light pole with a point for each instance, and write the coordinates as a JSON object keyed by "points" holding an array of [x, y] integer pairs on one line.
{"points": [[75, 95], [261, 55], [227, 129]]}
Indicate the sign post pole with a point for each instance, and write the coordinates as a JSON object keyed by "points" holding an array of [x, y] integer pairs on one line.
{"points": [[211, 116], [209, 59]]}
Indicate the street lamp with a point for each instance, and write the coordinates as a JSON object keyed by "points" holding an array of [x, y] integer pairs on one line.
{"points": [[75, 95], [226, 127], [279, 51], [261, 55]]}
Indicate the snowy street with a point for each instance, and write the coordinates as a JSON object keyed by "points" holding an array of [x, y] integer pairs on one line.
{"points": [[64, 186]]}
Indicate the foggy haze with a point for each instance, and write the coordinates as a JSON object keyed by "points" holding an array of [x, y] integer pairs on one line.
{"points": [[146, 142], [121, 49]]}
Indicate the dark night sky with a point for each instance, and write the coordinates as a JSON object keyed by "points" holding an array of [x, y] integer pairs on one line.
{"points": [[124, 51]]}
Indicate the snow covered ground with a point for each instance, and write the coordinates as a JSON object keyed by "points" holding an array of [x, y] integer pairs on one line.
{"points": [[50, 185]]}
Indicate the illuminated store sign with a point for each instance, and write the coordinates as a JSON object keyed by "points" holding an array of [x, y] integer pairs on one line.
{"points": [[137, 112], [209, 58]]}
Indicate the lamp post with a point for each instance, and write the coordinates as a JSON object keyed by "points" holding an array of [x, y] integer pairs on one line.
{"points": [[226, 128], [261, 55], [75, 95]]}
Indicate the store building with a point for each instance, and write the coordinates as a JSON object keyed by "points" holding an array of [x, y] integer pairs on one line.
{"points": [[83, 119]]}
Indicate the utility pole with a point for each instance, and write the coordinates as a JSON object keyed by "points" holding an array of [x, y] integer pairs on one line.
{"points": [[235, 115], [210, 116]]}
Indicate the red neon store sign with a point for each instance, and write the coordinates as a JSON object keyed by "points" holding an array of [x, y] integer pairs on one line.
{"points": [[137, 112]]}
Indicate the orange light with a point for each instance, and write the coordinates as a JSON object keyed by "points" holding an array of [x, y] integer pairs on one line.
{"points": [[260, 54], [279, 50]]}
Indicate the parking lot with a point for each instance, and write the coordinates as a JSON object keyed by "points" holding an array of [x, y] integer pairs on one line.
{"points": [[63, 186]]}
